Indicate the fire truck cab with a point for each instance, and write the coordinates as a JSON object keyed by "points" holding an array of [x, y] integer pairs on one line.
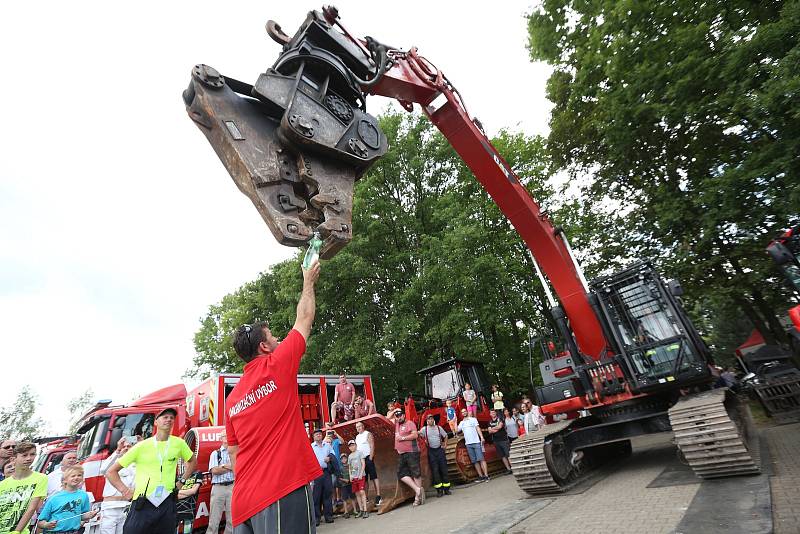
{"points": [[200, 421]]}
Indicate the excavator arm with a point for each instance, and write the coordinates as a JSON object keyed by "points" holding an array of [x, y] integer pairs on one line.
{"points": [[296, 141]]}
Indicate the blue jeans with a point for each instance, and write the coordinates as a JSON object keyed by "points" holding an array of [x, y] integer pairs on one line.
{"points": [[475, 452]]}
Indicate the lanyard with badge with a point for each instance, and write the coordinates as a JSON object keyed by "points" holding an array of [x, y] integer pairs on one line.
{"points": [[159, 494]]}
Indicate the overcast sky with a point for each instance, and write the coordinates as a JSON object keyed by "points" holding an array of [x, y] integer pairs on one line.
{"points": [[118, 224]]}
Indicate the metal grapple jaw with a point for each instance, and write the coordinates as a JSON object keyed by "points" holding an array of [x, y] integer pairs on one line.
{"points": [[297, 140]]}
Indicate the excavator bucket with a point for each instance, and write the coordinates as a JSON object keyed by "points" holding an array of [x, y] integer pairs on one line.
{"points": [[393, 492], [297, 140]]}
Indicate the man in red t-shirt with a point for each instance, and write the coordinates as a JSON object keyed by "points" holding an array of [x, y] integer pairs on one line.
{"points": [[267, 441], [363, 407], [405, 443], [343, 400]]}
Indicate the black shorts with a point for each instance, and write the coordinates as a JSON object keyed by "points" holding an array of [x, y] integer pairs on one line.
{"points": [[347, 492], [369, 468], [502, 448], [408, 465], [143, 517], [291, 513]]}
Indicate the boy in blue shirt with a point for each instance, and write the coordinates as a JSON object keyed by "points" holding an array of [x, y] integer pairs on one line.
{"points": [[67, 510], [450, 412]]}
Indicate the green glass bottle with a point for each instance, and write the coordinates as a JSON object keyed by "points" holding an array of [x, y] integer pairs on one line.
{"points": [[312, 253]]}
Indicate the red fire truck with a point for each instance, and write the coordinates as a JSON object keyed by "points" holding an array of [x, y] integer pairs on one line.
{"points": [[200, 420]]}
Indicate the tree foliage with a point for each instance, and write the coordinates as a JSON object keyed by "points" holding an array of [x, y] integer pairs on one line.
{"points": [[19, 421], [434, 271], [78, 406], [679, 121]]}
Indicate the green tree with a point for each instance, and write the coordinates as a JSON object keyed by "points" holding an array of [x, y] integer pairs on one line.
{"points": [[19, 421], [77, 406], [679, 121], [434, 271]]}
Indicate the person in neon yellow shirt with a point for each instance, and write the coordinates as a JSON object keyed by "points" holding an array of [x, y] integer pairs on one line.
{"points": [[154, 492], [22, 493]]}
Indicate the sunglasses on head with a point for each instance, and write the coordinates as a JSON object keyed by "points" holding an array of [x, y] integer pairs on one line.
{"points": [[247, 329]]}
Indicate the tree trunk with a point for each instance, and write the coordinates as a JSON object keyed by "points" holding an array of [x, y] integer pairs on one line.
{"points": [[755, 318], [769, 315]]}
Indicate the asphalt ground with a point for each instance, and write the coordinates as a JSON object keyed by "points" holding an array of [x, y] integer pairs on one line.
{"points": [[649, 492]]}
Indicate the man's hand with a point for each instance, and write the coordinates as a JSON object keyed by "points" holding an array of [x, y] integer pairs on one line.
{"points": [[48, 525], [311, 275], [128, 494]]}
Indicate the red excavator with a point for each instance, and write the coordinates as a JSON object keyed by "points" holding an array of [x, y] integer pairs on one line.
{"points": [[632, 363], [785, 253]]}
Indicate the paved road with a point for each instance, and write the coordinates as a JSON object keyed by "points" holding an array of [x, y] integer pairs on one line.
{"points": [[622, 501], [650, 492], [784, 446], [441, 515]]}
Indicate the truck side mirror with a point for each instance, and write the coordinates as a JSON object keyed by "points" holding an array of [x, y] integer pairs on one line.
{"points": [[780, 254], [675, 288]]}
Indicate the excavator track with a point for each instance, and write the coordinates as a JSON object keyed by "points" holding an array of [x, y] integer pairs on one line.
{"points": [[454, 471], [529, 461], [714, 433], [459, 467]]}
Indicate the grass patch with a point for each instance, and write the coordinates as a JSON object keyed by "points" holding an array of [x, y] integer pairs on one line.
{"points": [[760, 416]]}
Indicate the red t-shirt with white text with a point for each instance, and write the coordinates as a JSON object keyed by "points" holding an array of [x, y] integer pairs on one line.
{"points": [[264, 421]]}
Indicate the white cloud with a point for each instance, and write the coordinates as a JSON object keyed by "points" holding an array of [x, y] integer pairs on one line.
{"points": [[118, 224]]}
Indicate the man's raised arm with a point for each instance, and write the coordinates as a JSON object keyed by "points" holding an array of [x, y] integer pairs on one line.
{"points": [[306, 308]]}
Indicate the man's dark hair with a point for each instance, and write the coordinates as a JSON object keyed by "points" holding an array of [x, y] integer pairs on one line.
{"points": [[246, 339], [23, 447]]}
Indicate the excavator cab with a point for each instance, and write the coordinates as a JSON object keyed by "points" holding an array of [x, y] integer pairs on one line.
{"points": [[654, 338], [445, 380]]}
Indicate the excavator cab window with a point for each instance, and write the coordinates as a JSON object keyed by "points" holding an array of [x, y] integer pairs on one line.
{"points": [[444, 385], [792, 273], [646, 322], [479, 380]]}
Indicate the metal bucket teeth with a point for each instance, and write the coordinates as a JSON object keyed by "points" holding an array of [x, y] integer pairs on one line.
{"points": [[716, 440]]}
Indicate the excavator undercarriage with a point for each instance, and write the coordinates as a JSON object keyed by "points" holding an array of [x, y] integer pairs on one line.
{"points": [[712, 429]]}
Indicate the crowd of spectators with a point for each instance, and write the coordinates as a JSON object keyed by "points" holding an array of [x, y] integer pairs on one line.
{"points": [[24, 499], [59, 503]]}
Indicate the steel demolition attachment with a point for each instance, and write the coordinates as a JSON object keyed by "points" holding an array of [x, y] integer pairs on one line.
{"points": [[297, 140]]}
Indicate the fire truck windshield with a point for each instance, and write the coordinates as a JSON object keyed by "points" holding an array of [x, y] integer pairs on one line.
{"points": [[135, 424], [40, 460]]}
